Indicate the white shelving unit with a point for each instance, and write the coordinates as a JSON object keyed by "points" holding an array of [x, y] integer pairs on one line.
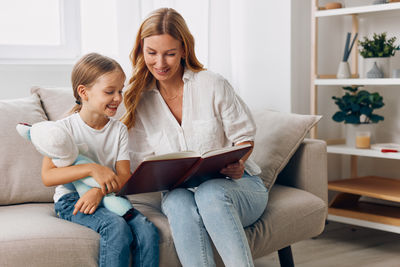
{"points": [[346, 207], [345, 150], [359, 10], [385, 81]]}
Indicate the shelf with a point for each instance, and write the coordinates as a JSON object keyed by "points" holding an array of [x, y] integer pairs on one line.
{"points": [[383, 81], [357, 10], [363, 223], [370, 186], [347, 207], [369, 212], [346, 150]]}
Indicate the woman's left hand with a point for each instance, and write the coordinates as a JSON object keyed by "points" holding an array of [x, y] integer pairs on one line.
{"points": [[234, 170]]}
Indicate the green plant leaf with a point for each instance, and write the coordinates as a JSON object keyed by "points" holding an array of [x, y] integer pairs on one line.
{"points": [[339, 116]]}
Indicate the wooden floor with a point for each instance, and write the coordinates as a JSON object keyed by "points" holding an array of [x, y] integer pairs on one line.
{"points": [[342, 245]]}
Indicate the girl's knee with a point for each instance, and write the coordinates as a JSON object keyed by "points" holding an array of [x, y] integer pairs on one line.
{"points": [[118, 230]]}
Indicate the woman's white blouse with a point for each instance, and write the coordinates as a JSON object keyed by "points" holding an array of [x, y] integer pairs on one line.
{"points": [[213, 116]]}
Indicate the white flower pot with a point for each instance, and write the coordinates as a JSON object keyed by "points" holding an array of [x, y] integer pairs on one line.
{"points": [[382, 62], [360, 135]]}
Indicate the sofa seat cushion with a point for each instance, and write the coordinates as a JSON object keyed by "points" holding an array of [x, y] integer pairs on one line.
{"points": [[34, 236], [292, 215]]}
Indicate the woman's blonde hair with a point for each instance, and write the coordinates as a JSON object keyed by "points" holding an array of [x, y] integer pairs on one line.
{"points": [[160, 21], [87, 70]]}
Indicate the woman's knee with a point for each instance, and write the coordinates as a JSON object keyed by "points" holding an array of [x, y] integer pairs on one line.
{"points": [[211, 193], [179, 199]]}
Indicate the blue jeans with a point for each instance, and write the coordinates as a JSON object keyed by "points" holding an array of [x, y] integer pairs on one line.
{"points": [[117, 237], [218, 209]]}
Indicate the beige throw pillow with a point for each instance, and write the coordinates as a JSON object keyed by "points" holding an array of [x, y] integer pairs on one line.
{"points": [[20, 163], [278, 136], [56, 102]]}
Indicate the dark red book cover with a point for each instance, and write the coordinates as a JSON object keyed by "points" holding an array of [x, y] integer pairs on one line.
{"points": [[166, 174]]}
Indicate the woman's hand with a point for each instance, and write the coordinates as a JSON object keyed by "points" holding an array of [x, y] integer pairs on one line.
{"points": [[89, 202], [235, 170], [106, 178]]}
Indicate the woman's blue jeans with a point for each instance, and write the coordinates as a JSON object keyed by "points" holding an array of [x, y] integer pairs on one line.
{"points": [[117, 237], [218, 209]]}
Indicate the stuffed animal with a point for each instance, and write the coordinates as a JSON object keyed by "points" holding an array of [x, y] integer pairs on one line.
{"points": [[56, 143]]}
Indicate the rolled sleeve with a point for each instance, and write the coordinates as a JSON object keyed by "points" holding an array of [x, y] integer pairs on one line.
{"points": [[238, 122]]}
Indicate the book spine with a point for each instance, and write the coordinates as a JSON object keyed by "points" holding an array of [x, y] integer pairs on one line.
{"points": [[188, 174]]}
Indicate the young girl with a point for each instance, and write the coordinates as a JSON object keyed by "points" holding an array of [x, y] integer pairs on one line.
{"points": [[97, 84]]}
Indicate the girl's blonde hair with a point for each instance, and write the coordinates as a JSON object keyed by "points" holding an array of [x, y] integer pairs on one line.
{"points": [[160, 21], [87, 70]]}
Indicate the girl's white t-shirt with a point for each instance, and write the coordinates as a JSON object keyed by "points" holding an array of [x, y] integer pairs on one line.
{"points": [[105, 146]]}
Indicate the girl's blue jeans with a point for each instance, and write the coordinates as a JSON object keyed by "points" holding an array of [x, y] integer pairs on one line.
{"points": [[218, 209], [117, 237]]}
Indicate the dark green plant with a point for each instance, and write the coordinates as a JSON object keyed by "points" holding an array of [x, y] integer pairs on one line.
{"points": [[378, 46], [356, 107]]}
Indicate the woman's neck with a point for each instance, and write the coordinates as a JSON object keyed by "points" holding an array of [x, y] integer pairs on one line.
{"points": [[173, 85]]}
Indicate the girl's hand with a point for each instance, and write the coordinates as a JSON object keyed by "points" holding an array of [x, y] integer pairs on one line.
{"points": [[235, 170], [106, 178], [89, 202]]}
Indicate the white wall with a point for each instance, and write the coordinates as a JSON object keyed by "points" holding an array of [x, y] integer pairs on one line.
{"points": [[17, 79], [267, 55], [254, 54]]}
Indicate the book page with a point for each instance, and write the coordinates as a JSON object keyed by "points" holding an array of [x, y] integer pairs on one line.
{"points": [[223, 150], [173, 155]]}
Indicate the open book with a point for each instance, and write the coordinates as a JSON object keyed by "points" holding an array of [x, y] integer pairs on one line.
{"points": [[181, 169]]}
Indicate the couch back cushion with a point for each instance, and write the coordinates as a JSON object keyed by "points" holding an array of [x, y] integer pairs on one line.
{"points": [[278, 136], [57, 102], [20, 163]]}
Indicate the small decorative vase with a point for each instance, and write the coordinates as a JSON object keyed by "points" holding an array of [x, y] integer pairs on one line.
{"points": [[360, 135], [383, 64], [343, 70], [375, 72]]}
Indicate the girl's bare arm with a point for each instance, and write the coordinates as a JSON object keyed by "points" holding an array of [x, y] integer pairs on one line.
{"points": [[106, 178]]}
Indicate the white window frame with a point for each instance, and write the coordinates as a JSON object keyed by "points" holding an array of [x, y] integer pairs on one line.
{"points": [[69, 48]]}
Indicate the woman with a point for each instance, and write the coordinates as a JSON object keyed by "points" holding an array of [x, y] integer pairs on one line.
{"points": [[173, 104]]}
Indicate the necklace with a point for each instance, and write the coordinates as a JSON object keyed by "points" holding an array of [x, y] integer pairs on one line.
{"points": [[166, 97]]}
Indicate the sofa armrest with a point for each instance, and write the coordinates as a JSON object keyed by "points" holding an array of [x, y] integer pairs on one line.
{"points": [[307, 169]]}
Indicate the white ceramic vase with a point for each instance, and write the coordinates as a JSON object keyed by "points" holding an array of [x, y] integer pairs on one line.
{"points": [[343, 70], [383, 64]]}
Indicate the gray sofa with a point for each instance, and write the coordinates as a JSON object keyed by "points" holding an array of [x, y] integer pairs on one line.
{"points": [[32, 235]]}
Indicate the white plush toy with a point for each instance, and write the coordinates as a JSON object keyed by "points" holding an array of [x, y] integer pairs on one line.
{"points": [[56, 143]]}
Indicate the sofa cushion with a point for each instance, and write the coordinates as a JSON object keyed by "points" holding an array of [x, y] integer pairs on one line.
{"points": [[278, 136], [34, 236], [45, 240], [57, 102], [20, 163], [292, 215]]}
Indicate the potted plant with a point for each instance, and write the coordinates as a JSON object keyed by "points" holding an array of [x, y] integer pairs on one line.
{"points": [[356, 110], [377, 51]]}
